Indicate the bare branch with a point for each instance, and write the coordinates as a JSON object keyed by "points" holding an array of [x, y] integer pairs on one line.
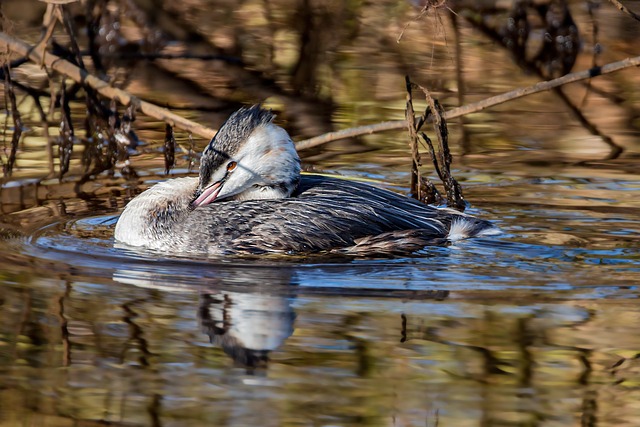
{"points": [[624, 9], [476, 106], [83, 77]]}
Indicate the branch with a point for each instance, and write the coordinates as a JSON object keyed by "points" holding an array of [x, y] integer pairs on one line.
{"points": [[8, 43], [624, 9], [83, 77], [476, 106]]}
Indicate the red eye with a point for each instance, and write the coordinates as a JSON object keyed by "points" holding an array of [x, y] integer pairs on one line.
{"points": [[232, 166]]}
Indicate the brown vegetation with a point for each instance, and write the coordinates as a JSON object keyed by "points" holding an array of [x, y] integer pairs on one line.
{"points": [[91, 44]]}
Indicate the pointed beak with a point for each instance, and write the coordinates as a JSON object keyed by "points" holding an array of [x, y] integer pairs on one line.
{"points": [[208, 195]]}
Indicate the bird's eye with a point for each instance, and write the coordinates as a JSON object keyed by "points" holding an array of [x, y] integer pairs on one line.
{"points": [[232, 166]]}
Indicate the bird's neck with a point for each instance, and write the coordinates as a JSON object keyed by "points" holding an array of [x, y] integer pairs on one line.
{"points": [[280, 190], [152, 215]]}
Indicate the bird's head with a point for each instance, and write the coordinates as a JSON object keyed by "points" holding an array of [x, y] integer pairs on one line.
{"points": [[249, 158]]}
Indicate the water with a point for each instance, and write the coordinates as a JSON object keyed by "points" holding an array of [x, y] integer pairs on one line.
{"points": [[537, 326], [540, 323]]}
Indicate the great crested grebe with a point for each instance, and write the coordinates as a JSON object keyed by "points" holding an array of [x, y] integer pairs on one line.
{"points": [[250, 198]]}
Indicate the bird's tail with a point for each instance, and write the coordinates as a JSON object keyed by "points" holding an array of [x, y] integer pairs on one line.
{"points": [[463, 227]]}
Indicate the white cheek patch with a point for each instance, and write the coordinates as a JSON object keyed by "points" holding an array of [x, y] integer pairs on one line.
{"points": [[265, 161]]}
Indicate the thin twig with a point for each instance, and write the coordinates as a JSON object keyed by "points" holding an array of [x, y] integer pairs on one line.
{"points": [[65, 16], [624, 9], [49, 22], [423, 12], [475, 106], [83, 77]]}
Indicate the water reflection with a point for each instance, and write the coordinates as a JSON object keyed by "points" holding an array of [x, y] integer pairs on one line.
{"points": [[247, 321], [138, 348], [246, 325]]}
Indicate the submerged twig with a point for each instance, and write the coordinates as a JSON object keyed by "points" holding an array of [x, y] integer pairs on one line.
{"points": [[101, 148], [126, 139], [191, 156]]}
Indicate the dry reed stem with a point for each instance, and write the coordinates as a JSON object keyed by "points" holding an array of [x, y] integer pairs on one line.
{"points": [[443, 159], [413, 128]]}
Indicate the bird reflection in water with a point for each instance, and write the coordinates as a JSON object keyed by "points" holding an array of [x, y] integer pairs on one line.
{"points": [[247, 326], [247, 313]]}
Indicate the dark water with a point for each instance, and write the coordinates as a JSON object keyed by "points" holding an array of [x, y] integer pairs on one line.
{"points": [[539, 326]]}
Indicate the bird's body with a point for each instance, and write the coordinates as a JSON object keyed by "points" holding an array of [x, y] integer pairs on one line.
{"points": [[276, 210]]}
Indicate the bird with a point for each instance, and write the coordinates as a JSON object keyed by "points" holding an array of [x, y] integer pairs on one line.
{"points": [[250, 198]]}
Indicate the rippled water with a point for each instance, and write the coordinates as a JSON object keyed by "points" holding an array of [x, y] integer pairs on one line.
{"points": [[539, 326], [540, 323]]}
